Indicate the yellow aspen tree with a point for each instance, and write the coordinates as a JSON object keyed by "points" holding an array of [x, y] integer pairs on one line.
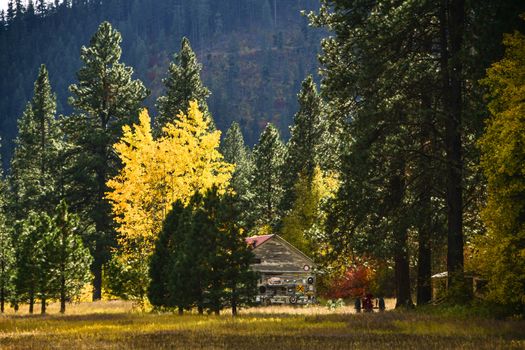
{"points": [[156, 173]]}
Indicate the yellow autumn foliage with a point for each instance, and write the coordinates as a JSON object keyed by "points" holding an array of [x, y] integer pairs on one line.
{"points": [[157, 172], [303, 225]]}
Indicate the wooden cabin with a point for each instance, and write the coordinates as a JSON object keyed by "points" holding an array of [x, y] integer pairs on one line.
{"points": [[286, 274]]}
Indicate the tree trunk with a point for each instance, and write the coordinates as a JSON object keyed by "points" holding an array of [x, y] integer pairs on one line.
{"points": [[402, 268], [424, 194], [181, 311], [424, 285], [43, 306], [102, 225], [96, 269], [402, 273], [234, 302], [452, 23], [2, 299], [62, 294], [31, 302]]}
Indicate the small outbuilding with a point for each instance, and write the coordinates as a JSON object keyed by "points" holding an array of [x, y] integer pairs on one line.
{"points": [[475, 282], [286, 275]]}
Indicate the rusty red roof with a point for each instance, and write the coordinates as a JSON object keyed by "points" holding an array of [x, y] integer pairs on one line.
{"points": [[256, 241]]}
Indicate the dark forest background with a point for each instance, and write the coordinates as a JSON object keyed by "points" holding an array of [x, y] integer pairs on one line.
{"points": [[255, 53]]}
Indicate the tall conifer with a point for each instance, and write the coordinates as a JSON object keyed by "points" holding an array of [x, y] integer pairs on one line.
{"points": [[105, 98], [70, 258], [235, 152], [34, 167], [267, 184], [305, 147], [7, 251], [183, 84]]}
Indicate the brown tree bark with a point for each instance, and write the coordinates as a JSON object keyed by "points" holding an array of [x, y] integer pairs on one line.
{"points": [[452, 27], [43, 306], [424, 194], [402, 267]]}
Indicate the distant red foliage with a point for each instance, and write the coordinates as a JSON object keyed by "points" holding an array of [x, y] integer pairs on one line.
{"points": [[353, 283]]}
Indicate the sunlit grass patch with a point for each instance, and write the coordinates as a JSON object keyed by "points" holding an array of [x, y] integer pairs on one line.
{"points": [[89, 327]]}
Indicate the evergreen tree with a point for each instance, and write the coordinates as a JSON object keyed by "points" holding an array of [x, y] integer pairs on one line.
{"points": [[184, 277], [305, 148], [41, 8], [201, 258], [7, 259], [235, 152], [10, 12], [3, 22], [29, 260], [34, 177], [210, 262], [44, 257], [402, 89], [71, 260], [106, 98], [7, 251], [239, 282], [266, 181], [183, 84], [19, 9], [162, 263], [382, 116]]}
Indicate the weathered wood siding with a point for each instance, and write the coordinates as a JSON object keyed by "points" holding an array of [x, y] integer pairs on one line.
{"points": [[276, 256]]}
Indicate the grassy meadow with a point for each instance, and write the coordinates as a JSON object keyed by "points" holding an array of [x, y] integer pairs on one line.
{"points": [[115, 325]]}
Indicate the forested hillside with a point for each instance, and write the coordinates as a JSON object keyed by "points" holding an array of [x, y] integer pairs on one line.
{"points": [[255, 53]]}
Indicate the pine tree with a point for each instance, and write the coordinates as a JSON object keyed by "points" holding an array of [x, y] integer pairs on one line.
{"points": [[201, 258], [30, 9], [34, 177], [7, 259], [205, 250], [44, 257], [41, 8], [7, 251], [106, 98], [235, 152], [184, 287], [29, 257], [239, 282], [382, 117], [162, 263], [266, 181], [71, 260], [305, 148], [3, 21], [10, 12], [19, 9], [183, 84]]}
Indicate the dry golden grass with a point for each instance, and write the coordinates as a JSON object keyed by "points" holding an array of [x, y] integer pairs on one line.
{"points": [[114, 325]]}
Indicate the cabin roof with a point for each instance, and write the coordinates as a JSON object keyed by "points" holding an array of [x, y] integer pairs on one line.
{"points": [[257, 241]]}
